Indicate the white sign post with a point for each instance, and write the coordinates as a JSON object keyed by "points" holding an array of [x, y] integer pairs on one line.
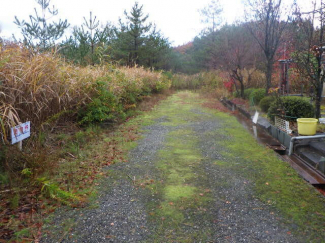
{"points": [[19, 133], [255, 118]]}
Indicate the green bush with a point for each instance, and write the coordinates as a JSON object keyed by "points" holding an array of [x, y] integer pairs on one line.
{"points": [[236, 94], [247, 92], [291, 108], [266, 102], [256, 95], [102, 107]]}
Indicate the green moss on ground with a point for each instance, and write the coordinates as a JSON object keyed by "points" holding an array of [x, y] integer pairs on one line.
{"points": [[180, 203], [275, 182], [179, 192]]}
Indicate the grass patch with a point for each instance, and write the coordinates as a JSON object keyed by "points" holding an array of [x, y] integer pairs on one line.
{"points": [[276, 183], [220, 163], [177, 192]]}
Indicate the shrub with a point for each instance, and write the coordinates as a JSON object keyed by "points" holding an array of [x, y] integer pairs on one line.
{"points": [[236, 94], [291, 108], [203, 80], [266, 102], [247, 92], [102, 106], [256, 95]]}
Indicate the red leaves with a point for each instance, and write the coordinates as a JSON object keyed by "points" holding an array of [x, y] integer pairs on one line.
{"points": [[229, 85]]}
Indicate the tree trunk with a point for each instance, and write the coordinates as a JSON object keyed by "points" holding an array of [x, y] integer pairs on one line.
{"points": [[92, 45], [318, 100], [242, 88], [136, 61], [269, 69]]}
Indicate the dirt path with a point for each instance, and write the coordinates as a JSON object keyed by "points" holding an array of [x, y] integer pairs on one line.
{"points": [[196, 176]]}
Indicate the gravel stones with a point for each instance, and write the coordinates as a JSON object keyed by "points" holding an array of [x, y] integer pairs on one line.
{"points": [[233, 213]]}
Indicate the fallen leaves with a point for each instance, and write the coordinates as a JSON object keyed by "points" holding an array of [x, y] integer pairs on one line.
{"points": [[109, 236]]}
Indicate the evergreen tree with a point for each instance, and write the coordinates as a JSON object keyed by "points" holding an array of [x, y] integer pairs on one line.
{"points": [[134, 33], [92, 25], [155, 51], [39, 32], [211, 15], [88, 44], [76, 48]]}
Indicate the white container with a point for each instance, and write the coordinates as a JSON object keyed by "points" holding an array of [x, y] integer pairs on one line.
{"points": [[321, 120]]}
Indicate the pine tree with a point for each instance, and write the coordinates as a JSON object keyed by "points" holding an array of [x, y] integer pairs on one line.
{"points": [[38, 32], [137, 42], [92, 25], [88, 44], [155, 51], [136, 32]]}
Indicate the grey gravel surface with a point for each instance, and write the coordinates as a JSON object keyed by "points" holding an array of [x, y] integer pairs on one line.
{"points": [[120, 215], [233, 215]]}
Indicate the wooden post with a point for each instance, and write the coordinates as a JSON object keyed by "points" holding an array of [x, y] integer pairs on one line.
{"points": [[20, 145]]}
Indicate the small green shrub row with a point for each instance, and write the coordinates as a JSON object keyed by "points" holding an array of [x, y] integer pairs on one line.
{"points": [[256, 95], [252, 94], [236, 94], [266, 102], [291, 108], [247, 92]]}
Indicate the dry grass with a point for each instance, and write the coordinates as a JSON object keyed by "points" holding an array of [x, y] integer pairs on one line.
{"points": [[211, 84], [42, 88], [52, 94]]}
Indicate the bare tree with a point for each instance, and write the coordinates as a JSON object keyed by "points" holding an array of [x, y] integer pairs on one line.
{"points": [[211, 15], [266, 26], [238, 53], [310, 47]]}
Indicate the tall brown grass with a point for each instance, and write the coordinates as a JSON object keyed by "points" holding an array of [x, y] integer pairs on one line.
{"points": [[41, 87], [211, 82]]}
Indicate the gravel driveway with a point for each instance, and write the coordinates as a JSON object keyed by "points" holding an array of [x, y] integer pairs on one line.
{"points": [[179, 185]]}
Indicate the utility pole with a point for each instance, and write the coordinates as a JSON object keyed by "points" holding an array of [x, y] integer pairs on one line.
{"points": [[320, 71]]}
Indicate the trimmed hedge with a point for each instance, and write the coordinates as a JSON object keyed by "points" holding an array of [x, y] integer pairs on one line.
{"points": [[236, 94], [256, 95], [266, 102], [247, 92], [294, 107]]}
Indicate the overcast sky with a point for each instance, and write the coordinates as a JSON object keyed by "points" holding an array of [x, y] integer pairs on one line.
{"points": [[179, 20]]}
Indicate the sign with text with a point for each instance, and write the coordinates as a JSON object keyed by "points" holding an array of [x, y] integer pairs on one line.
{"points": [[20, 132]]}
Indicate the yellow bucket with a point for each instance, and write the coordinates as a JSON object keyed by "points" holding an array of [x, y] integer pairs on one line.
{"points": [[307, 126]]}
